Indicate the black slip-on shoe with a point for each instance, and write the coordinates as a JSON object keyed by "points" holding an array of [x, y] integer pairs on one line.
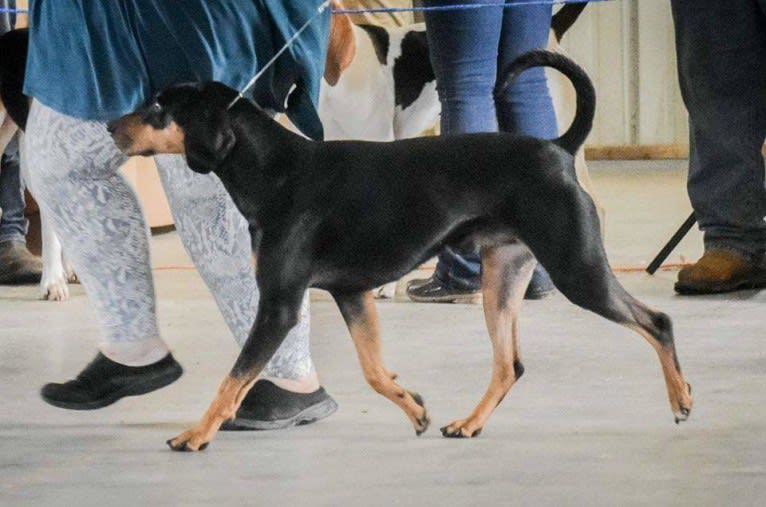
{"points": [[540, 286], [433, 290], [269, 407], [103, 382]]}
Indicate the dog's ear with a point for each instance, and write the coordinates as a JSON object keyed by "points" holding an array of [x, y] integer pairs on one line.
{"points": [[208, 143], [342, 47]]}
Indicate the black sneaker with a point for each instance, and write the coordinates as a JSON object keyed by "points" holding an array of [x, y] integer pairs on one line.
{"points": [[103, 382], [17, 264], [432, 290], [269, 407], [540, 286]]}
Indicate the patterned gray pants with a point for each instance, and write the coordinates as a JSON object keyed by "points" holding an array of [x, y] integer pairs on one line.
{"points": [[97, 216]]}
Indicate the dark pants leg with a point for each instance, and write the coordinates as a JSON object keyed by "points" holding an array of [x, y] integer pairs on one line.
{"points": [[721, 50], [7, 19], [13, 224]]}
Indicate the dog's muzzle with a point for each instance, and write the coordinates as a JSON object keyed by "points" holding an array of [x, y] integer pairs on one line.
{"points": [[118, 129]]}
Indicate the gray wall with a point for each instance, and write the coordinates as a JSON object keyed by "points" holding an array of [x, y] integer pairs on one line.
{"points": [[627, 47]]}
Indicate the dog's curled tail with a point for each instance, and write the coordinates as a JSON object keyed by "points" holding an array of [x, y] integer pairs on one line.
{"points": [[574, 137]]}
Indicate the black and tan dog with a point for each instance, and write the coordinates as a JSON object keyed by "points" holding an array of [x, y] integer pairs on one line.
{"points": [[321, 212]]}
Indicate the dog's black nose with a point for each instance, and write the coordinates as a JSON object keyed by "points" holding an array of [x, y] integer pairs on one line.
{"points": [[111, 127]]}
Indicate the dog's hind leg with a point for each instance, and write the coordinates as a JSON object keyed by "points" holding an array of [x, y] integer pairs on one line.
{"points": [[506, 271], [599, 291], [277, 315], [361, 317], [567, 242]]}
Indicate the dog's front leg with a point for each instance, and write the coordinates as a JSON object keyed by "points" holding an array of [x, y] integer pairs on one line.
{"points": [[276, 316], [361, 317], [53, 283], [506, 271]]}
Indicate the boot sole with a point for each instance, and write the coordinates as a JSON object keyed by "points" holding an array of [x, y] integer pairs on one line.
{"points": [[696, 290], [452, 298], [144, 387]]}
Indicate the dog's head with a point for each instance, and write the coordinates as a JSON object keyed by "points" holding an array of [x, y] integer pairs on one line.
{"points": [[189, 119]]}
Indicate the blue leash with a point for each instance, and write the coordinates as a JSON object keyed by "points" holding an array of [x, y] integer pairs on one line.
{"points": [[458, 7], [435, 8], [323, 6]]}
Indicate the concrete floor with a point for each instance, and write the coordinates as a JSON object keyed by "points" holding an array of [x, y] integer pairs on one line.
{"points": [[589, 424]]}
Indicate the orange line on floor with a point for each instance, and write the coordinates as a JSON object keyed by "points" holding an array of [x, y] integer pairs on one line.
{"points": [[620, 268]]}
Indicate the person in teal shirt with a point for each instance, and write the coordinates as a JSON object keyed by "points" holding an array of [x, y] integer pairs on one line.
{"points": [[101, 60], [90, 62]]}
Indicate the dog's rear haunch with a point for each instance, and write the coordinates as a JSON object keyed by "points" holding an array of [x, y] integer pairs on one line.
{"points": [[320, 213]]}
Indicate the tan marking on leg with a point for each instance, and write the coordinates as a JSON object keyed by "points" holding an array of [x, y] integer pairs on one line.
{"points": [[224, 407], [679, 391], [502, 324], [365, 332]]}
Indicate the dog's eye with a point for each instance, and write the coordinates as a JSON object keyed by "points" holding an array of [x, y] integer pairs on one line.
{"points": [[153, 111], [156, 116]]}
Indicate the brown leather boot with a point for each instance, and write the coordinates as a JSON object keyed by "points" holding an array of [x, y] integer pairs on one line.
{"points": [[17, 264], [720, 271]]}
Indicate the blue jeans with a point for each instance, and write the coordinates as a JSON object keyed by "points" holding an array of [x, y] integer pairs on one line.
{"points": [[721, 49], [7, 19], [13, 225], [468, 49]]}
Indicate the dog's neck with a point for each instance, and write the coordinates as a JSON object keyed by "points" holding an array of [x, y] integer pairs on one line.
{"points": [[259, 162]]}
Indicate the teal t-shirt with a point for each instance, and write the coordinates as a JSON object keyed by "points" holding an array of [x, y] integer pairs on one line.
{"points": [[98, 60]]}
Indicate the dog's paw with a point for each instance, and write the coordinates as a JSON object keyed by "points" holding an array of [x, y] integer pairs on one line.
{"points": [[387, 291], [682, 414], [54, 288], [188, 441], [463, 428], [71, 276], [684, 410], [420, 422]]}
